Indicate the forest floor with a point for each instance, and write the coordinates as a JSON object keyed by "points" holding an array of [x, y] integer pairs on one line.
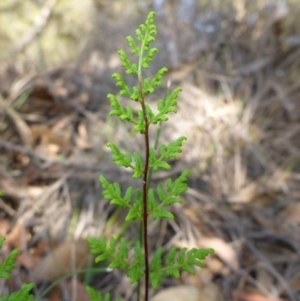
{"points": [[240, 111]]}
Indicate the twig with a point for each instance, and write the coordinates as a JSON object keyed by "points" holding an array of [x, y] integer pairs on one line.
{"points": [[268, 265], [36, 157], [20, 124], [6, 208]]}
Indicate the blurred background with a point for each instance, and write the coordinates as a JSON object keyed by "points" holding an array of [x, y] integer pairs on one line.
{"points": [[238, 64]]}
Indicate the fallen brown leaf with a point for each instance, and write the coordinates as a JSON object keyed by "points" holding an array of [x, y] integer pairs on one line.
{"points": [[63, 260], [80, 294], [66, 289], [244, 296], [28, 261], [18, 237], [189, 293], [50, 141], [4, 226], [41, 248], [55, 294]]}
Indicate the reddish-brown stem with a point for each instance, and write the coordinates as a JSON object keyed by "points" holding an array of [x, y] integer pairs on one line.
{"points": [[145, 193]]}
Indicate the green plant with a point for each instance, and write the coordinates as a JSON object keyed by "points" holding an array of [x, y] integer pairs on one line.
{"points": [[5, 268], [148, 202], [145, 203]]}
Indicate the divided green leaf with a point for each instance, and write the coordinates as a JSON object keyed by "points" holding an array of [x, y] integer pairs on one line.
{"points": [[136, 268], [9, 263], [176, 260], [22, 295], [166, 106], [5, 268], [97, 296], [112, 192]]}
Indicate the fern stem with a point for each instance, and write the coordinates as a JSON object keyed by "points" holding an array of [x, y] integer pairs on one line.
{"points": [[141, 242], [145, 190], [146, 171]]}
